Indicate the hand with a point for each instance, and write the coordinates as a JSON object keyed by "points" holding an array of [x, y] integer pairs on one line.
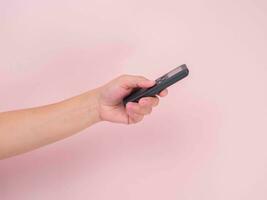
{"points": [[111, 106]]}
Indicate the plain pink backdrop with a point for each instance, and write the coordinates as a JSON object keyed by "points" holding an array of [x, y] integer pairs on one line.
{"points": [[206, 141]]}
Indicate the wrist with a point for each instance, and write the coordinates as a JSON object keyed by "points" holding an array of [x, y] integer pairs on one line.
{"points": [[86, 106], [93, 105]]}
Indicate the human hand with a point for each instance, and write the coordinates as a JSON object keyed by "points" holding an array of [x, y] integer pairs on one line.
{"points": [[111, 96], [43, 125]]}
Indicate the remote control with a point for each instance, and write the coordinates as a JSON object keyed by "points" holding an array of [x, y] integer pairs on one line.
{"points": [[161, 83]]}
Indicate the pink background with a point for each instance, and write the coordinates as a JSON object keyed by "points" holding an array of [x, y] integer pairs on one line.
{"points": [[206, 141]]}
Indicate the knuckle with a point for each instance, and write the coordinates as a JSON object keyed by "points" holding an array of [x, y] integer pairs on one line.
{"points": [[141, 77], [134, 121], [123, 76], [155, 101], [149, 111], [140, 119]]}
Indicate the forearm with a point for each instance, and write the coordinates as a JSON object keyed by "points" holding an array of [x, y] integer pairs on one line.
{"points": [[24, 130]]}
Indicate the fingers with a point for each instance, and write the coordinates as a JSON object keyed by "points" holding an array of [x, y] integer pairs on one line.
{"points": [[135, 118], [163, 93], [130, 82], [149, 101], [137, 111]]}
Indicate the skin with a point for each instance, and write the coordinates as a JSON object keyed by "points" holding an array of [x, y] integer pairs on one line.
{"points": [[24, 130]]}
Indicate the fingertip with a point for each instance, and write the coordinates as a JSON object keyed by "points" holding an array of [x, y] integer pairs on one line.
{"points": [[152, 82], [163, 93], [129, 105], [149, 101], [145, 101], [147, 83], [142, 101]]}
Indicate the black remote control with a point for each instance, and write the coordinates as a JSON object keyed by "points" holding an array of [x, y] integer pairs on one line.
{"points": [[161, 83]]}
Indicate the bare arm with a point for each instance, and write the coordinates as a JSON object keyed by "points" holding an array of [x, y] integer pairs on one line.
{"points": [[24, 130]]}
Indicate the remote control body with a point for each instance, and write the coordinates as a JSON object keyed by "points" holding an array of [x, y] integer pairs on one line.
{"points": [[161, 83]]}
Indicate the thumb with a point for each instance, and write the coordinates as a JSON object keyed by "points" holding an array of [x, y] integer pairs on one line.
{"points": [[129, 82]]}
